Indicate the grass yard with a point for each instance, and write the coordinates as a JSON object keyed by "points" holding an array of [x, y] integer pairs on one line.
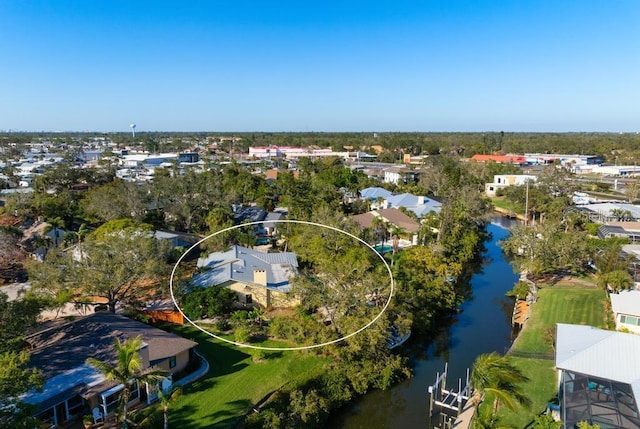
{"points": [[235, 383], [502, 203], [541, 389], [566, 302]]}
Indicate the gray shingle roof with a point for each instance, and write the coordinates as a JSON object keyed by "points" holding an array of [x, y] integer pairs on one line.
{"points": [[68, 346]]}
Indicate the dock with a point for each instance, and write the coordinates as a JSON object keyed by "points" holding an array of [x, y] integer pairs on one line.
{"points": [[452, 407], [520, 312]]}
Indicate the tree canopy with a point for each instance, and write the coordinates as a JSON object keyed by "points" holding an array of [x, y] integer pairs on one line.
{"points": [[124, 266]]}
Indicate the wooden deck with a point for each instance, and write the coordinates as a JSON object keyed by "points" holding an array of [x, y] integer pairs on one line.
{"points": [[520, 312], [463, 421]]}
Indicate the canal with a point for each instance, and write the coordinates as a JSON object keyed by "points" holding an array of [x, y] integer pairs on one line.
{"points": [[483, 326]]}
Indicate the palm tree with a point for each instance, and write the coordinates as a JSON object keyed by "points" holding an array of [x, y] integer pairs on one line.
{"points": [[56, 225], [494, 374], [615, 281], [166, 400], [379, 227], [128, 370], [396, 233], [76, 237]]}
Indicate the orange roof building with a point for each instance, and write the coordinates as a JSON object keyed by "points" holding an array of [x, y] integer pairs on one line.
{"points": [[501, 159]]}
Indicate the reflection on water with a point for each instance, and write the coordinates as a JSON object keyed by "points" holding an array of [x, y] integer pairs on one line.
{"points": [[483, 326]]}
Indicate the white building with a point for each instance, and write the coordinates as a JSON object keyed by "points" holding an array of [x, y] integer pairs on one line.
{"points": [[397, 175], [501, 181], [290, 152], [548, 158], [598, 376], [617, 170], [626, 310]]}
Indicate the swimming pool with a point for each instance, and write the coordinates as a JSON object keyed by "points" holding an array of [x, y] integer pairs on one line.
{"points": [[383, 249]]}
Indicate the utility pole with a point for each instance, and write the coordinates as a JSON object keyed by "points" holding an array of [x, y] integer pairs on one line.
{"points": [[526, 206]]}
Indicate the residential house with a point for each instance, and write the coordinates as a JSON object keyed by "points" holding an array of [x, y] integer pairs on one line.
{"points": [[598, 376], [407, 158], [391, 217], [420, 205], [611, 212], [272, 174], [626, 310], [397, 175], [501, 181], [270, 224], [630, 230], [248, 214], [258, 278], [74, 388], [176, 239], [377, 196]]}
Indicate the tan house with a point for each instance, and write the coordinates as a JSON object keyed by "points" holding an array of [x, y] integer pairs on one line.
{"points": [[258, 278], [390, 217], [74, 388]]}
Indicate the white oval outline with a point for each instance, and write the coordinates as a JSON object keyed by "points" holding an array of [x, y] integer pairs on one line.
{"points": [[384, 308]]}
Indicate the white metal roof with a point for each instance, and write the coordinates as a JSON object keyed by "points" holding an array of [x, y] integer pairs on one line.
{"points": [[626, 302], [605, 354]]}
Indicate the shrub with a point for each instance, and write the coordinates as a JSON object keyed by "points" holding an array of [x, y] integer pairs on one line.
{"points": [[242, 334]]}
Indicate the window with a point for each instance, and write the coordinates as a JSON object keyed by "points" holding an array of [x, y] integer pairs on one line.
{"points": [[47, 416], [134, 392], [111, 398], [75, 406], [111, 401], [629, 320], [172, 362]]}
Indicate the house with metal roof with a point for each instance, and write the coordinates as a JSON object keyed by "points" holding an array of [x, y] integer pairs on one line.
{"points": [[258, 278], [598, 376], [374, 193], [630, 230], [625, 306], [420, 205], [609, 212], [73, 388]]}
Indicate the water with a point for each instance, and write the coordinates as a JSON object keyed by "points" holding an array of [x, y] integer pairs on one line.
{"points": [[483, 326], [383, 248]]}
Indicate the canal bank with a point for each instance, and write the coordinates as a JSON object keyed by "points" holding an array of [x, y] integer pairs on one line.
{"points": [[483, 326]]}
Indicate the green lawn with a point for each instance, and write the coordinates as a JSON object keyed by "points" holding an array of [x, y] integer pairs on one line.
{"points": [[502, 203], [541, 389], [563, 303], [235, 383], [566, 304]]}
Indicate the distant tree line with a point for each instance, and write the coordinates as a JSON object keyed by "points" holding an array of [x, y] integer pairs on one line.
{"points": [[615, 147]]}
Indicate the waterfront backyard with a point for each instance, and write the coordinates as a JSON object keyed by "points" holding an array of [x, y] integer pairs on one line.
{"points": [[235, 382], [567, 301]]}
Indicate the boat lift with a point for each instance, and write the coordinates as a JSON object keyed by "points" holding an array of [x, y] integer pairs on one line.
{"points": [[446, 399]]}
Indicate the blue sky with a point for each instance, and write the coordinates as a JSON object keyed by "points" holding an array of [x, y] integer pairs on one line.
{"points": [[448, 65]]}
